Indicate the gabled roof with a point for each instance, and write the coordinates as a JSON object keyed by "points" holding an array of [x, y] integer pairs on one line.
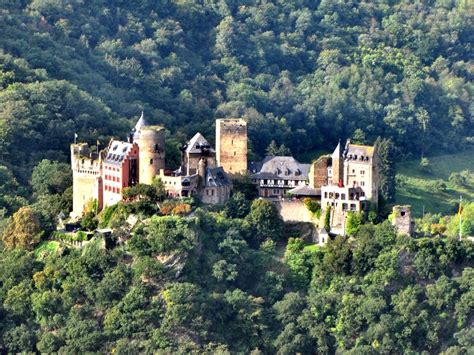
{"points": [[117, 152], [282, 167], [216, 177], [196, 144]]}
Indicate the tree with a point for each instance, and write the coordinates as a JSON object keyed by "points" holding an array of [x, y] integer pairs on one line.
{"points": [[23, 230], [10, 199], [265, 220], [327, 219], [51, 177], [386, 153], [273, 150], [237, 206], [353, 222]]}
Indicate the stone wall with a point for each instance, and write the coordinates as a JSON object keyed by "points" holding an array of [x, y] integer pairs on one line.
{"points": [[318, 173], [293, 211]]}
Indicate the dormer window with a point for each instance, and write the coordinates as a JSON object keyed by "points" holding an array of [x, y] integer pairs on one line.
{"points": [[115, 147]]}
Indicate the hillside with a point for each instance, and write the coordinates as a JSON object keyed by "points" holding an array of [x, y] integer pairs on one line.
{"points": [[434, 189], [304, 74]]}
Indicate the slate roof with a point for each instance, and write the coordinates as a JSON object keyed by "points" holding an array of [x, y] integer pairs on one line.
{"points": [[117, 152], [305, 190], [362, 153], [282, 168], [140, 123], [194, 145], [216, 177]]}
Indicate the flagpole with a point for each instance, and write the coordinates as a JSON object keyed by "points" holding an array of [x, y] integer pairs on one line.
{"points": [[460, 217]]}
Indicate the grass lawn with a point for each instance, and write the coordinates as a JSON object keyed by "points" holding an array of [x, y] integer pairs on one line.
{"points": [[419, 188], [312, 248], [46, 248]]}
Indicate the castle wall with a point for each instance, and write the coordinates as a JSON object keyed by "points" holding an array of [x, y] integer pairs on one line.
{"points": [[231, 145], [318, 173], [293, 211]]}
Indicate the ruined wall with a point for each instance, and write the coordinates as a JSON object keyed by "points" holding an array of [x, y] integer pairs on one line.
{"points": [[401, 219], [318, 173], [231, 145]]}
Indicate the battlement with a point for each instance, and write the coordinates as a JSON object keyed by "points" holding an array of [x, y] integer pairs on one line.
{"points": [[85, 161], [231, 126]]}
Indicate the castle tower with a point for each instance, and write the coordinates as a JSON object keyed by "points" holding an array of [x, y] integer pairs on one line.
{"points": [[151, 144], [401, 219], [231, 145], [86, 178], [337, 166]]}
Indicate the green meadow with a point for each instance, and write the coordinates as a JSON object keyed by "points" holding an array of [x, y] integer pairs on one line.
{"points": [[433, 190]]}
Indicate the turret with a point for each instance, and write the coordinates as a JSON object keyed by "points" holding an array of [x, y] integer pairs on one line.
{"points": [[151, 144], [337, 166], [202, 166]]}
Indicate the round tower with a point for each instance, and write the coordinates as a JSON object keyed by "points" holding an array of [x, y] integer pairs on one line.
{"points": [[151, 143]]}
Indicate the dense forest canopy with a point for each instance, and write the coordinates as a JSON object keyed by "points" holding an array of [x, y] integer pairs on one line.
{"points": [[178, 278], [303, 73]]}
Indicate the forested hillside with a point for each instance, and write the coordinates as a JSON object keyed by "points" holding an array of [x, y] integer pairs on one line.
{"points": [[211, 283], [304, 73]]}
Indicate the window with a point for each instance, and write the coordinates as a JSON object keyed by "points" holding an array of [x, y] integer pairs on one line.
{"points": [[362, 183], [232, 142], [235, 154], [353, 171], [362, 172], [353, 207], [151, 161], [325, 194], [343, 196], [344, 206]]}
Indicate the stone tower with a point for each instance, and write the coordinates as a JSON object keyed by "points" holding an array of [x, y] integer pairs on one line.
{"points": [[86, 175], [151, 144], [402, 219], [231, 145], [337, 166]]}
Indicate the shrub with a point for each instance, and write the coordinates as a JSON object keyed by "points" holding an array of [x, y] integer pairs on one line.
{"points": [[181, 209], [439, 186], [425, 165], [457, 179], [311, 205]]}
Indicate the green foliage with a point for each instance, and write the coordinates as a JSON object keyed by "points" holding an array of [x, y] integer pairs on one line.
{"points": [[425, 165], [353, 222], [237, 206], [49, 178], [10, 198], [387, 173], [273, 150], [23, 230], [327, 219], [313, 206], [418, 189], [265, 220], [89, 221]]}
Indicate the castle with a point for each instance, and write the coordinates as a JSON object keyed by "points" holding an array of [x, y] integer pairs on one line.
{"points": [[348, 181], [204, 172]]}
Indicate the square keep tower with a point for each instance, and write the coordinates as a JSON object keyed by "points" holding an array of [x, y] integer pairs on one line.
{"points": [[231, 145]]}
